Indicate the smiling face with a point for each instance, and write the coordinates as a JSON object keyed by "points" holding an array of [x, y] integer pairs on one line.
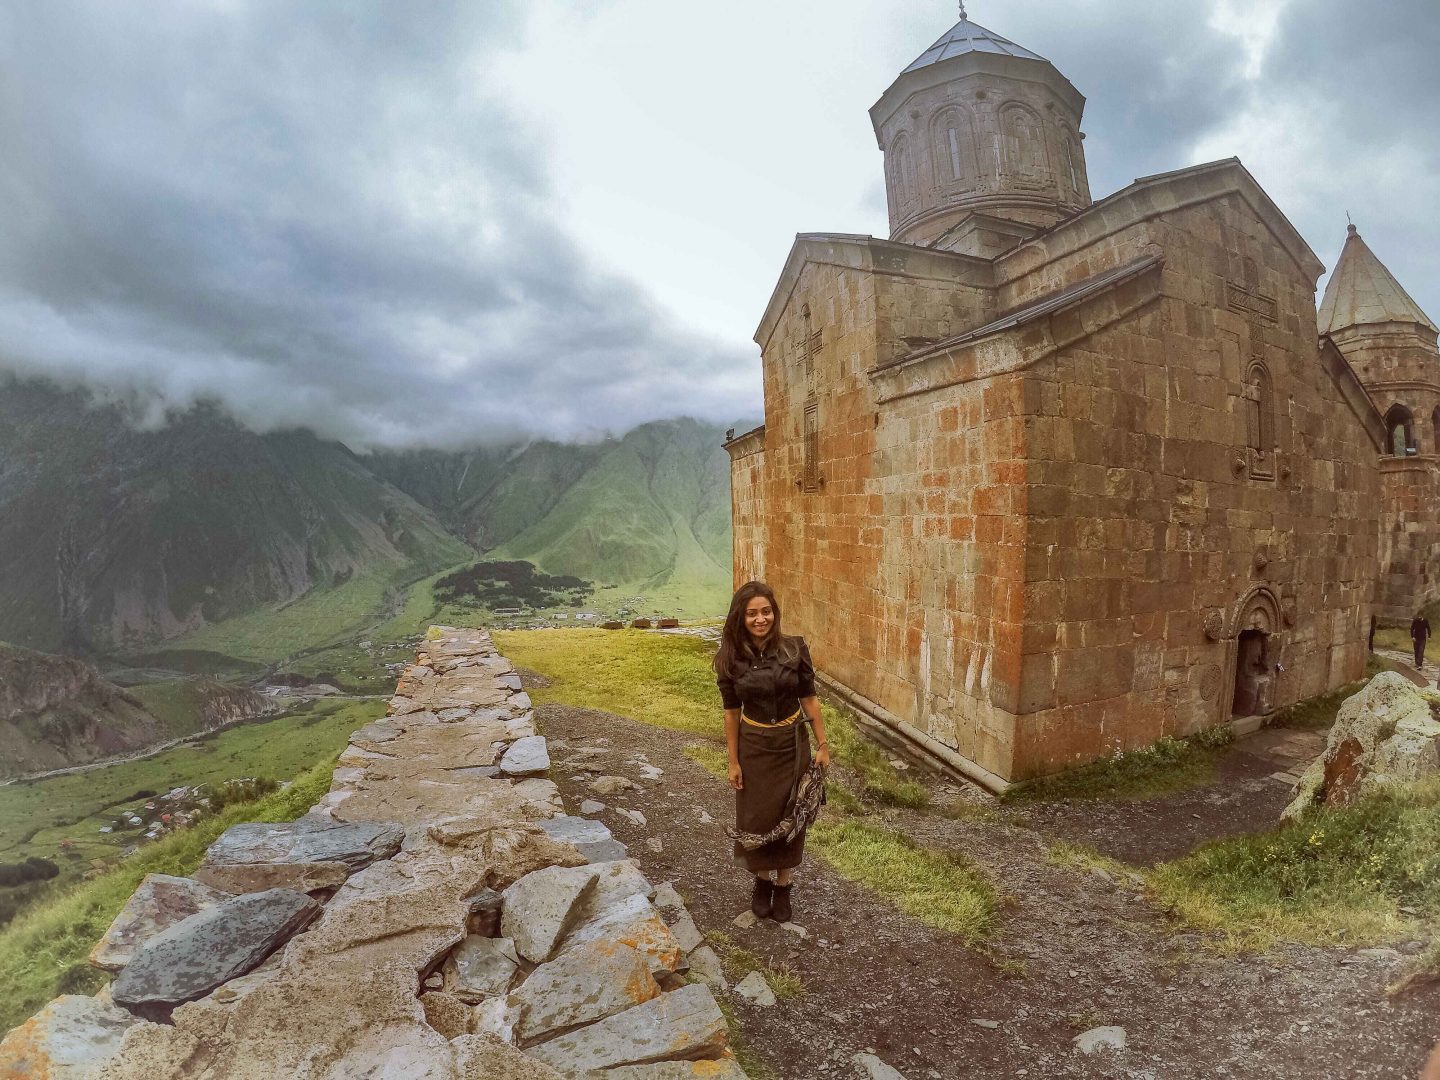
{"points": [[759, 617]]}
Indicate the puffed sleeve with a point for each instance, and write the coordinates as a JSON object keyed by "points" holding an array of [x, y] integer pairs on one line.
{"points": [[807, 672], [729, 699]]}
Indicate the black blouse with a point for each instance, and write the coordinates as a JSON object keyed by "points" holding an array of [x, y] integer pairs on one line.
{"points": [[768, 690]]}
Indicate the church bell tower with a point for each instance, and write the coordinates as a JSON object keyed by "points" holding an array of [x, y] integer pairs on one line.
{"points": [[982, 144]]}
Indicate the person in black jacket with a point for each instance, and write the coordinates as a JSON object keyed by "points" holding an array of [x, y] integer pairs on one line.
{"points": [[767, 689], [1419, 634]]}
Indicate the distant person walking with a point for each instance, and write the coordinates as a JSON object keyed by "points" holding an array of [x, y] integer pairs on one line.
{"points": [[1419, 634], [1374, 622], [767, 689]]}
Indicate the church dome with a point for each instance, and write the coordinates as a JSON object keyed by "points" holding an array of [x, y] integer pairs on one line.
{"points": [[979, 124]]}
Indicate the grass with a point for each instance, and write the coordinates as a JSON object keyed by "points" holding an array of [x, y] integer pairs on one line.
{"points": [[1079, 857], [659, 679], [1166, 766], [941, 889], [1338, 876], [43, 953], [739, 962], [713, 759], [36, 816]]}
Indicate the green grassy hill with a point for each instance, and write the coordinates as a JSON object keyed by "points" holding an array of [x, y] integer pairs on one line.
{"points": [[648, 512]]}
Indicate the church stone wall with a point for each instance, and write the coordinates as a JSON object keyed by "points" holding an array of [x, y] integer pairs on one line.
{"points": [[1044, 546], [1153, 541], [1409, 538]]}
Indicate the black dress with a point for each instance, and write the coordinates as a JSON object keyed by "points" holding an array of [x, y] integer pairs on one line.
{"points": [[774, 749]]}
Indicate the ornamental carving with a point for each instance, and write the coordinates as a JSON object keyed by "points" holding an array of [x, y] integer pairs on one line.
{"points": [[1213, 625]]}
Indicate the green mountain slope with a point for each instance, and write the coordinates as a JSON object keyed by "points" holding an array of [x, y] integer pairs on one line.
{"points": [[646, 510], [654, 508], [113, 537]]}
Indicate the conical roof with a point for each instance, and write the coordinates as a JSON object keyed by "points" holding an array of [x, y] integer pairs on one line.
{"points": [[1362, 292], [967, 37]]}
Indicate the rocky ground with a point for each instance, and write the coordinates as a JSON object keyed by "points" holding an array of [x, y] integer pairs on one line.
{"points": [[1077, 949]]}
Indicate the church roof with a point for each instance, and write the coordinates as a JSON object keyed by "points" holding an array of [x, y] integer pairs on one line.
{"points": [[1362, 292], [968, 37]]}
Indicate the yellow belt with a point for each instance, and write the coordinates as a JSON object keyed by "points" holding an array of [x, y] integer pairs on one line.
{"points": [[778, 723]]}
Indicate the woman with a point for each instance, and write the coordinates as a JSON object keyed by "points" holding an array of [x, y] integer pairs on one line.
{"points": [[767, 685]]}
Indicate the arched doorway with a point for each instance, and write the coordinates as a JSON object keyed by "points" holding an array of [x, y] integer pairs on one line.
{"points": [[1253, 678], [1256, 650]]}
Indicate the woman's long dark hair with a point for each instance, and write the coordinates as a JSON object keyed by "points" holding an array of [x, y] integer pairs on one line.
{"points": [[735, 642]]}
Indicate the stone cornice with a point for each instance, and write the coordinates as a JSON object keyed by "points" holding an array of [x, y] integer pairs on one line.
{"points": [[1156, 196], [746, 445], [866, 254], [1053, 323]]}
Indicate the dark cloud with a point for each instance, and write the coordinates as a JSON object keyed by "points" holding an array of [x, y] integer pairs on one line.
{"points": [[318, 214]]}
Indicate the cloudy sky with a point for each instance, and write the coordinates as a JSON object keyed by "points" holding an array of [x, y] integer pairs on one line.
{"points": [[448, 221]]}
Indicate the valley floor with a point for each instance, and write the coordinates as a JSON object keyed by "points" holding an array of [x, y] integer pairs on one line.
{"points": [[1077, 945]]}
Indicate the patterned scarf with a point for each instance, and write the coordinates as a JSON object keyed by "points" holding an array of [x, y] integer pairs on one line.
{"points": [[804, 808]]}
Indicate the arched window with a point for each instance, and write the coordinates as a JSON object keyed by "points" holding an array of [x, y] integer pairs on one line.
{"points": [[902, 174], [1260, 420], [1260, 406], [1435, 430], [1023, 143], [1072, 164], [952, 146], [1400, 430]]}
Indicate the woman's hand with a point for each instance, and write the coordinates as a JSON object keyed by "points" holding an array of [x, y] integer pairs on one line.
{"points": [[737, 779], [822, 755]]}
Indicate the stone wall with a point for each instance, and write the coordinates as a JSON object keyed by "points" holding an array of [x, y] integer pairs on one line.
{"points": [[1409, 538], [437, 916]]}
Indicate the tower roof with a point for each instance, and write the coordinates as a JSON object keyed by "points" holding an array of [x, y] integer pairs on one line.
{"points": [[968, 37], [1362, 292]]}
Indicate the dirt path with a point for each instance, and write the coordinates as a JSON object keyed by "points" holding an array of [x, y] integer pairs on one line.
{"points": [[1075, 949]]}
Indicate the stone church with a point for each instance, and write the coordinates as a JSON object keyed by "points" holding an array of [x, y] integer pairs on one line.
{"points": [[1043, 478]]}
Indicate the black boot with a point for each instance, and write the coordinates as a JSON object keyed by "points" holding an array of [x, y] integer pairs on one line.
{"points": [[760, 898], [780, 903]]}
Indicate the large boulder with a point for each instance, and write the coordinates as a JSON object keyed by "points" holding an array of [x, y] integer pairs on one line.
{"points": [[66, 1040], [1384, 735], [198, 954]]}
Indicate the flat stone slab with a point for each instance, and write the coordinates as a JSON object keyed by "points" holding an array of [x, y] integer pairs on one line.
{"points": [[539, 908], [526, 757], [210, 948], [593, 838], [66, 1040], [159, 903], [480, 967], [685, 1023], [310, 853], [581, 986]]}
